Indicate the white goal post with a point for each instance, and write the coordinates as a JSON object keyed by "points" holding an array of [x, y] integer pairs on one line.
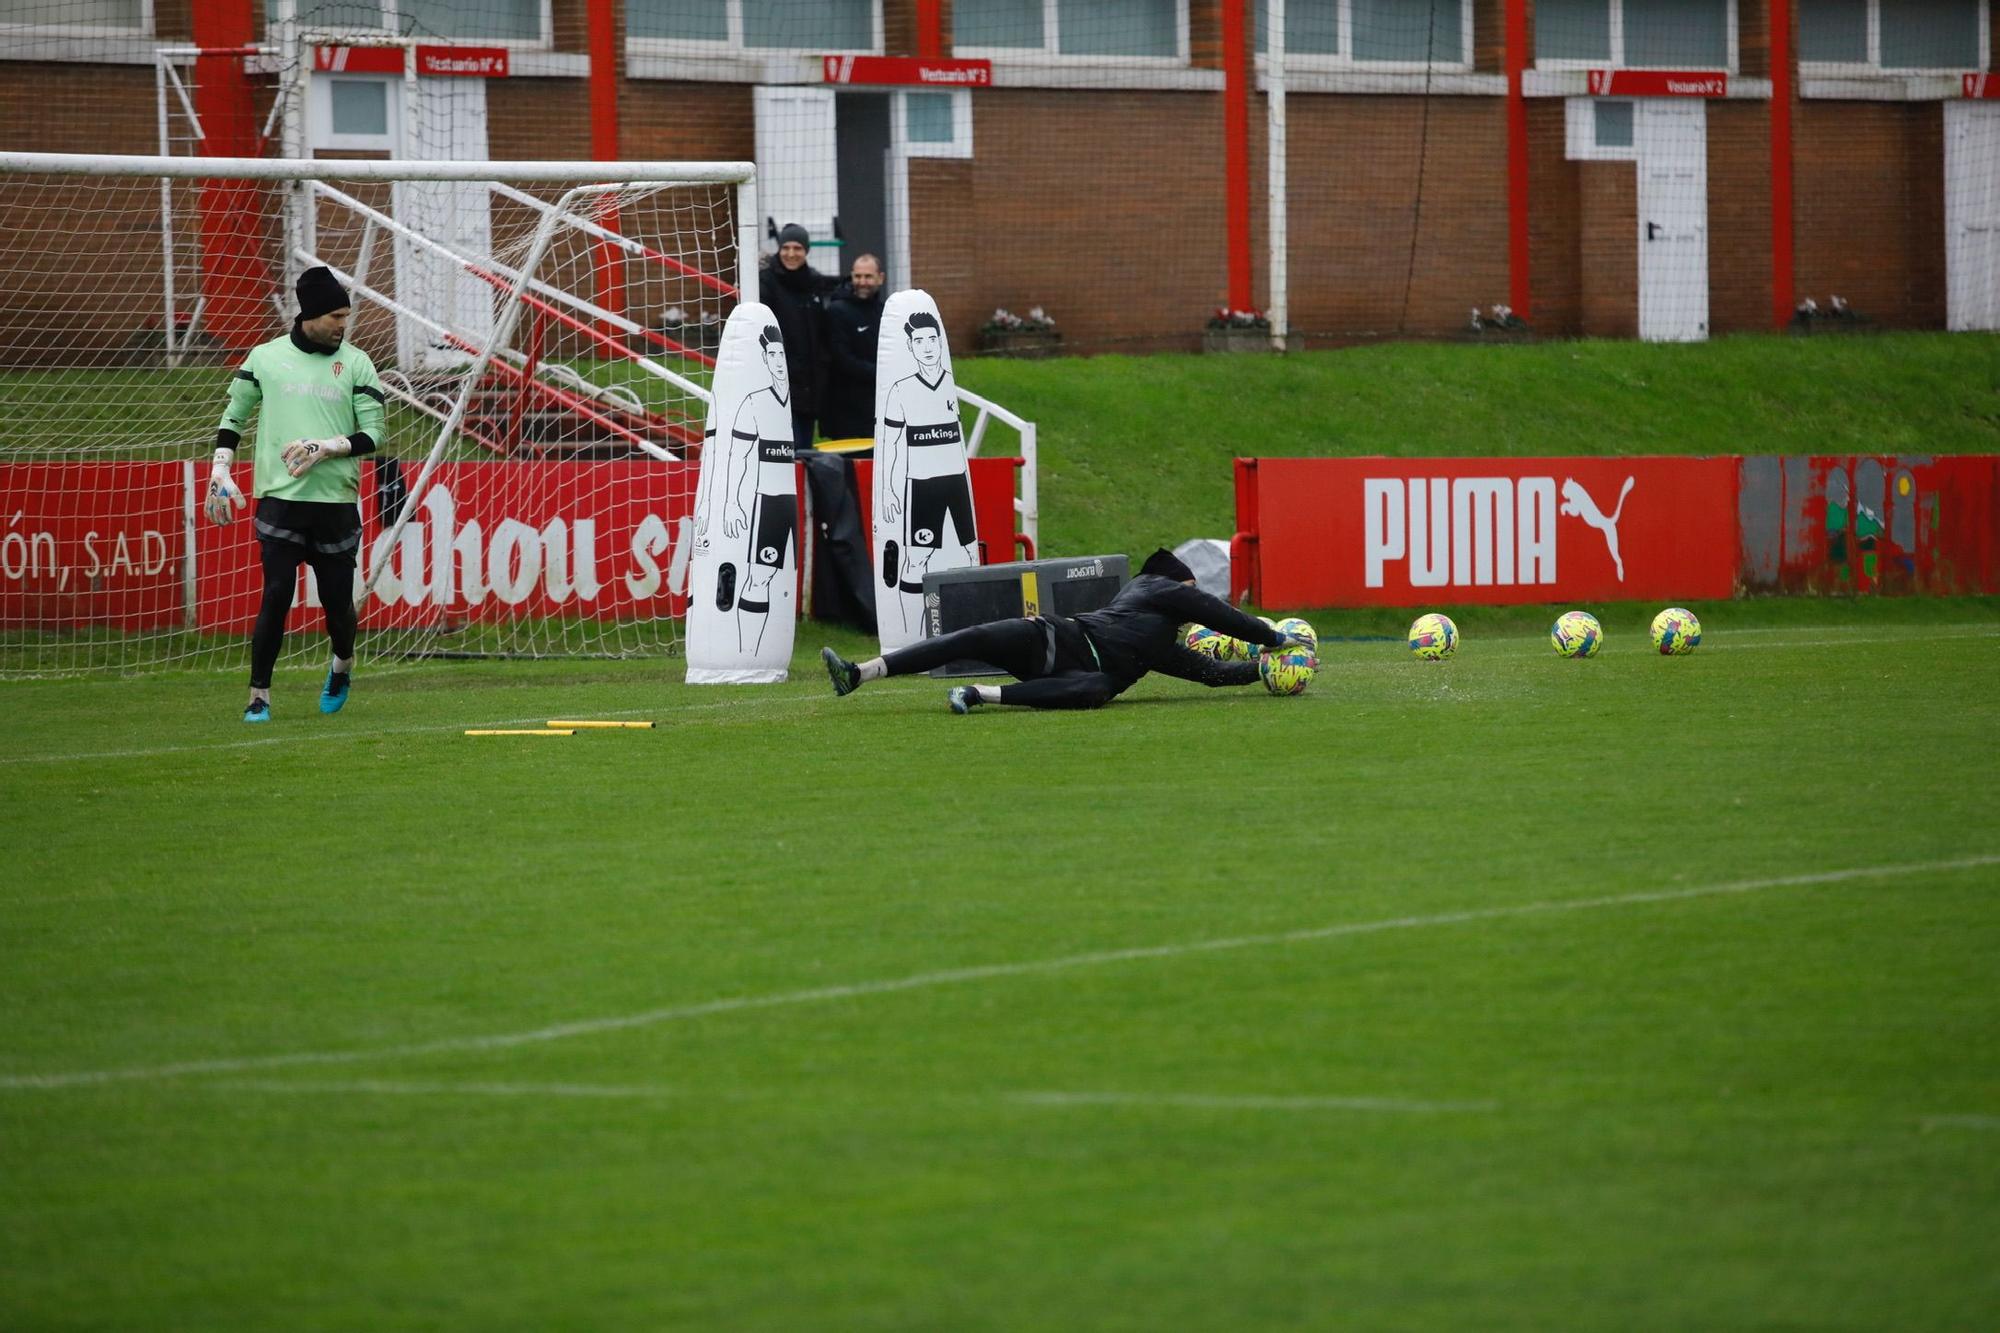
{"points": [[542, 332]]}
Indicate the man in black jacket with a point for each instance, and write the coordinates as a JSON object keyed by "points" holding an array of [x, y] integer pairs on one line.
{"points": [[1082, 661], [853, 318], [796, 293]]}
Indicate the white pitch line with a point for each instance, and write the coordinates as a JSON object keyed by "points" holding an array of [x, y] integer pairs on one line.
{"points": [[1203, 1101], [396, 1088], [1962, 1122], [1197, 1101], [1849, 641], [1859, 629], [960, 975]]}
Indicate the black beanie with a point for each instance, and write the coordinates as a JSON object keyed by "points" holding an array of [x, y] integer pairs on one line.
{"points": [[792, 231], [320, 293], [1167, 565]]}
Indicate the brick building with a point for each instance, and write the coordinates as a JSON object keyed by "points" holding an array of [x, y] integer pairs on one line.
{"points": [[1665, 168]]}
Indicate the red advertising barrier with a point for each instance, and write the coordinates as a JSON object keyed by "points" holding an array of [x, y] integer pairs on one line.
{"points": [[108, 544], [1870, 524], [1407, 532], [592, 539], [92, 544]]}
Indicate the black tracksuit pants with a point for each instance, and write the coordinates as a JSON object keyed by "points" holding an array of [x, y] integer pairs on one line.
{"points": [[1051, 659], [295, 532]]}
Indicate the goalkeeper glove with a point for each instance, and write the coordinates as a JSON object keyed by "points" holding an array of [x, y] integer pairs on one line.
{"points": [[224, 496], [301, 455]]}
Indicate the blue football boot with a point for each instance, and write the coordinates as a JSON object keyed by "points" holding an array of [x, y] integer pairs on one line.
{"points": [[258, 711], [333, 695]]}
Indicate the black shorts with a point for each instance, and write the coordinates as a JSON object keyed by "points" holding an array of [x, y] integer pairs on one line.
{"points": [[777, 522], [318, 528], [931, 498]]}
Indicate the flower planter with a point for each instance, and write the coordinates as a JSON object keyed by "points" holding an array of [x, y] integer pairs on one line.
{"points": [[1247, 339], [1021, 344], [1497, 335]]}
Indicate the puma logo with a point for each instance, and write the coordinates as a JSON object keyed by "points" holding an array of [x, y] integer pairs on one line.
{"points": [[1576, 503]]}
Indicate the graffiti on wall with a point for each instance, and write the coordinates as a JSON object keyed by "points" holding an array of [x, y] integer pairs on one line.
{"points": [[1868, 524]]}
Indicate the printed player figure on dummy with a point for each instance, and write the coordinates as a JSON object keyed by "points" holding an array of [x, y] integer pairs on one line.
{"points": [[1082, 661], [922, 448], [741, 574], [759, 504]]}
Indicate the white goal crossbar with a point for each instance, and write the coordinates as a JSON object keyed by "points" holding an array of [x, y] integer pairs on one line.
{"points": [[741, 174]]}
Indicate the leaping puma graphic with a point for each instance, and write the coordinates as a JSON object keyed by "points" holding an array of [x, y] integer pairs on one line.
{"points": [[1576, 503]]}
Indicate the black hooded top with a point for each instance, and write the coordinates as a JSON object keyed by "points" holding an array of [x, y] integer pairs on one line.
{"points": [[1139, 631], [795, 296]]}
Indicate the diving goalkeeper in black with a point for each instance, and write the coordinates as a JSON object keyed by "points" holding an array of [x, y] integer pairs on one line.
{"points": [[1082, 661]]}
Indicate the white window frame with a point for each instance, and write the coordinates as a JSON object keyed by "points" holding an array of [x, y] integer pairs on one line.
{"points": [[1616, 60], [1872, 67], [319, 117], [1050, 51], [391, 25], [1580, 131], [1306, 61], [733, 43], [11, 31], [960, 143]]}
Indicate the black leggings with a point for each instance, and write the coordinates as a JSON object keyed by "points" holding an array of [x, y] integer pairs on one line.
{"points": [[281, 572], [1021, 649]]}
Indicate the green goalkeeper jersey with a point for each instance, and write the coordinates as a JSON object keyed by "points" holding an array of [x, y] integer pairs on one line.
{"points": [[301, 393]]}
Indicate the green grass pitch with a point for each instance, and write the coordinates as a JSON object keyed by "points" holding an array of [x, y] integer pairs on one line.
{"points": [[1503, 993]]}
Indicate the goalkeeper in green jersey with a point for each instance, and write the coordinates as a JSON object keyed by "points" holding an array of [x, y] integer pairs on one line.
{"points": [[319, 407]]}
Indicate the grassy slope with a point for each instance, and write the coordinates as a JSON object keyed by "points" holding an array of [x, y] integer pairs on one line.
{"points": [[1177, 421]]}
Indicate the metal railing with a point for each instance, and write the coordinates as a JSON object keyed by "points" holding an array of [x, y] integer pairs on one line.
{"points": [[1027, 505]]}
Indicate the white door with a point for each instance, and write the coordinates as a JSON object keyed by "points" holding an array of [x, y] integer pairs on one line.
{"points": [[1671, 136], [798, 167], [443, 120], [1972, 214]]}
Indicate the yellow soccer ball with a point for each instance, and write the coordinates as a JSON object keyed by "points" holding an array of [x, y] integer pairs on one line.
{"points": [[1576, 634], [1433, 637], [1288, 670], [1676, 632]]}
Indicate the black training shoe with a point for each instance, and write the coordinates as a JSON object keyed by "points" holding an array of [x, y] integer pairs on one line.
{"points": [[846, 676], [963, 699]]}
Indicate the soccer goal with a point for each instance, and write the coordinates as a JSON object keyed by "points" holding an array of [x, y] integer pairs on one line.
{"points": [[543, 330]]}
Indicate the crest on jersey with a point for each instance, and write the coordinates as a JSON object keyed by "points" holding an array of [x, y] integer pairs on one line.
{"points": [[336, 370]]}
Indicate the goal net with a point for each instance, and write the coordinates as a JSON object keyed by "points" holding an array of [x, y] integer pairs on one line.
{"points": [[543, 333]]}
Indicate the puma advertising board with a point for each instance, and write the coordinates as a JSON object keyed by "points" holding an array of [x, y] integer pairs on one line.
{"points": [[743, 581], [922, 487], [1424, 531]]}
